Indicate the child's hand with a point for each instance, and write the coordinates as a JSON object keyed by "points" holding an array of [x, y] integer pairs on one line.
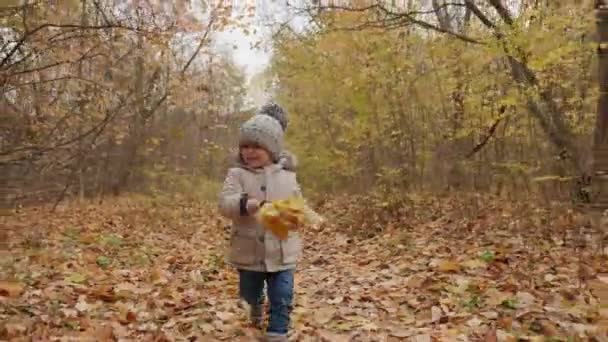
{"points": [[253, 205]]}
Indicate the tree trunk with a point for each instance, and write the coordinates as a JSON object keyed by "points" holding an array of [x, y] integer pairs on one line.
{"points": [[600, 143], [129, 159], [82, 105]]}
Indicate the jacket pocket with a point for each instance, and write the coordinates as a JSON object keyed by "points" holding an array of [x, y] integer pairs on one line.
{"points": [[242, 249], [291, 249]]}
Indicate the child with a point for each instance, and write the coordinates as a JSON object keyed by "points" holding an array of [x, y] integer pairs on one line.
{"points": [[256, 252]]}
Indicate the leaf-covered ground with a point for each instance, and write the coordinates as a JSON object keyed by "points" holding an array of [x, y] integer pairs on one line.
{"points": [[423, 270]]}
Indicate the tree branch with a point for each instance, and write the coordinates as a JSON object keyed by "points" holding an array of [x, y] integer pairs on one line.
{"points": [[502, 11], [110, 115], [29, 33], [479, 14], [485, 140], [200, 45], [397, 20]]}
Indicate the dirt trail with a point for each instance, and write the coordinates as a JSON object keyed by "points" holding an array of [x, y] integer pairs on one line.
{"points": [[155, 272]]}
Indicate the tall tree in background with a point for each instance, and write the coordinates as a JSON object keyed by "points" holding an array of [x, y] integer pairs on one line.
{"points": [[600, 142]]}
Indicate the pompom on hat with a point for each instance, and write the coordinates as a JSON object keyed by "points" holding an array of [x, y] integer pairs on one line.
{"points": [[272, 109]]}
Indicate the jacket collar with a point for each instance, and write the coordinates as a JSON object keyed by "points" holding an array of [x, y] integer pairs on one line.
{"points": [[271, 168]]}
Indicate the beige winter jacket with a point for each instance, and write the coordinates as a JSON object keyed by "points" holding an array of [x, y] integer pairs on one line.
{"points": [[251, 246]]}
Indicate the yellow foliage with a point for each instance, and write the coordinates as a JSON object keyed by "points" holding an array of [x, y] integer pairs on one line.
{"points": [[284, 215]]}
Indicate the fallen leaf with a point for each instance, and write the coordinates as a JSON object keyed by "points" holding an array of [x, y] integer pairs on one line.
{"points": [[82, 305], [76, 278], [328, 336], [103, 261], [131, 316], [416, 281], [225, 316], [157, 276], [104, 293], [599, 287], [11, 330], [401, 332], [474, 322], [505, 322], [549, 328], [422, 338], [448, 266], [207, 328], [324, 315], [336, 300], [491, 336], [490, 314], [474, 263], [495, 297], [436, 314], [524, 299], [102, 333], [10, 289]]}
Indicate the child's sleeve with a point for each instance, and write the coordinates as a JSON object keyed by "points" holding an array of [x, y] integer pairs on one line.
{"points": [[230, 196]]}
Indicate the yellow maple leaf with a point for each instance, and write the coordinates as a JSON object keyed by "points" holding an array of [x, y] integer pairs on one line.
{"points": [[281, 216]]}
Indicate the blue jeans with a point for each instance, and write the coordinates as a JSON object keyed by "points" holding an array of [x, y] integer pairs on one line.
{"points": [[280, 294]]}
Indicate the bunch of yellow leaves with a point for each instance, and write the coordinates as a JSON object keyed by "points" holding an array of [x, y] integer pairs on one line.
{"points": [[284, 215]]}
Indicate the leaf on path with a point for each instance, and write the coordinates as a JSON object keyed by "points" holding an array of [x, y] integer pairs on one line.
{"points": [[367, 291], [125, 313], [10, 289], [422, 338], [401, 332], [494, 297], [416, 281], [448, 266], [599, 287], [524, 299], [101, 333], [225, 316], [324, 315], [491, 336], [336, 300], [82, 305], [474, 322], [207, 328], [105, 293], [436, 314], [103, 261], [328, 336], [487, 256], [474, 263], [76, 278], [158, 276], [548, 328], [11, 329]]}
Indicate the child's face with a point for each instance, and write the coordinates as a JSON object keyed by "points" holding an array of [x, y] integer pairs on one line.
{"points": [[255, 156]]}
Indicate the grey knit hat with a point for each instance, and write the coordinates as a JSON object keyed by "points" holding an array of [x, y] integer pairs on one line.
{"points": [[265, 131], [274, 110]]}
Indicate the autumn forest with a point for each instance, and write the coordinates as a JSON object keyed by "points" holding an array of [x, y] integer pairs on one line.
{"points": [[455, 150]]}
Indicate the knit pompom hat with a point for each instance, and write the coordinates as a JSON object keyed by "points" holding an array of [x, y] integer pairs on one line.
{"points": [[272, 109], [264, 131]]}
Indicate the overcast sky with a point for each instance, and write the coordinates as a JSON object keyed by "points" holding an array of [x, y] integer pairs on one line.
{"points": [[267, 12], [244, 54]]}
